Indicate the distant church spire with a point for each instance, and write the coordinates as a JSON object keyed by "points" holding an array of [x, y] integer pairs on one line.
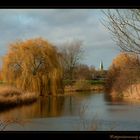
{"points": [[101, 65]]}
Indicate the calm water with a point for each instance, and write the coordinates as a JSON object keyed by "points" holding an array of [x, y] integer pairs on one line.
{"points": [[80, 111]]}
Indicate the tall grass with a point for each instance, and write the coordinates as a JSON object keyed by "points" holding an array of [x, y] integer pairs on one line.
{"points": [[11, 96]]}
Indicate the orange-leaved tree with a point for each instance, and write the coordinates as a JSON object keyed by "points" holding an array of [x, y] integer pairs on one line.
{"points": [[123, 72], [33, 65], [0, 76]]}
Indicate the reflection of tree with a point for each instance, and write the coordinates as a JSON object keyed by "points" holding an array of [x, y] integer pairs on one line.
{"points": [[44, 107], [110, 98], [70, 105], [54, 106], [74, 102], [48, 107]]}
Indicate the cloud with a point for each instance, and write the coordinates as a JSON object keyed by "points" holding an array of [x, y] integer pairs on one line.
{"points": [[58, 25]]}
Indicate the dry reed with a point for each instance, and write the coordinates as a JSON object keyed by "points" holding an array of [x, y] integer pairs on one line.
{"points": [[11, 96]]}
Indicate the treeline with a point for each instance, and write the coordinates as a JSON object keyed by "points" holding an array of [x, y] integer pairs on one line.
{"points": [[36, 65], [83, 72], [71, 58]]}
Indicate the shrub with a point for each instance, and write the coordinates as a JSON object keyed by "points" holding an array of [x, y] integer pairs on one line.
{"points": [[123, 73]]}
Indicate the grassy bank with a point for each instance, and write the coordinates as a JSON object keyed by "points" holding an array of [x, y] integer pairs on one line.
{"points": [[85, 85], [11, 96]]}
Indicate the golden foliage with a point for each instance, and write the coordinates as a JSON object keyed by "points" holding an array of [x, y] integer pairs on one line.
{"points": [[1, 76], [33, 66], [123, 60], [123, 73]]}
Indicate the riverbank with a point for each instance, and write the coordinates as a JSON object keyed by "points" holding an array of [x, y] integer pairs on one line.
{"points": [[90, 88], [130, 93], [11, 96], [85, 85]]}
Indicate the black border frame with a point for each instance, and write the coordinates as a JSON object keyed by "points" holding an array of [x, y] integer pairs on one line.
{"points": [[59, 4]]}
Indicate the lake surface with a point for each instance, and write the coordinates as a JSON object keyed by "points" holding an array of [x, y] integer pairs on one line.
{"points": [[77, 112]]}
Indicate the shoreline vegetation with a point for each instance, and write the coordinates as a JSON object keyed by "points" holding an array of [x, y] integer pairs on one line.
{"points": [[85, 85], [123, 77], [130, 93], [37, 68], [11, 96]]}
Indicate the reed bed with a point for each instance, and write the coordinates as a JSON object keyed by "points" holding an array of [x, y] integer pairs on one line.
{"points": [[11, 96]]}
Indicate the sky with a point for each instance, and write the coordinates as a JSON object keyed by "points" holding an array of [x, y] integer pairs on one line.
{"points": [[59, 26]]}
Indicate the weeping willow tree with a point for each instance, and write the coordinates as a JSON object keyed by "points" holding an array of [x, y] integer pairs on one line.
{"points": [[33, 65]]}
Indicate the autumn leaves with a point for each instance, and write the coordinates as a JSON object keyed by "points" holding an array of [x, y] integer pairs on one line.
{"points": [[33, 66]]}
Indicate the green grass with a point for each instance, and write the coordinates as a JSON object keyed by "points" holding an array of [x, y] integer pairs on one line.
{"points": [[68, 82], [92, 82], [96, 82], [1, 82]]}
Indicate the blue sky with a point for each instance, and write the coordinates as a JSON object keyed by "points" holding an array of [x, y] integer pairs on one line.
{"points": [[59, 26]]}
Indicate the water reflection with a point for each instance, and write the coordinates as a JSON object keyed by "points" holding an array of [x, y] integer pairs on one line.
{"points": [[49, 107], [119, 100], [107, 109], [44, 107], [70, 105], [74, 103], [111, 99], [120, 109]]}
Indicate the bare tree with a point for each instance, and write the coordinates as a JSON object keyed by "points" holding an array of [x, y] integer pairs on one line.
{"points": [[71, 56], [124, 24], [82, 71]]}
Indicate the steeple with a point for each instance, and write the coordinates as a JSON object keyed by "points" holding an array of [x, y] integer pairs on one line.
{"points": [[101, 66]]}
